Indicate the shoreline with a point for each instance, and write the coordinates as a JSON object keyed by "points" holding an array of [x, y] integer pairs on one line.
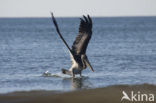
{"points": [[110, 94]]}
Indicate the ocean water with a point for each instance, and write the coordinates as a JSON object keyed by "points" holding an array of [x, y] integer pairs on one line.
{"points": [[122, 50]]}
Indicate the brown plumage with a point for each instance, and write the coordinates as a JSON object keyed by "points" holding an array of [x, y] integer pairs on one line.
{"points": [[85, 32], [78, 51]]}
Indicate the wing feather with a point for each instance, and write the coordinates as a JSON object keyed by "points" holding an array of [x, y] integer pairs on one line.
{"points": [[85, 32]]}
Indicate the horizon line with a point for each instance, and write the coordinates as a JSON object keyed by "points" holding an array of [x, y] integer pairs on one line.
{"points": [[76, 16]]}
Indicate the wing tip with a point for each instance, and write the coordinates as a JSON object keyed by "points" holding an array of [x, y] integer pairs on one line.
{"points": [[53, 18], [90, 20], [52, 14], [87, 19]]}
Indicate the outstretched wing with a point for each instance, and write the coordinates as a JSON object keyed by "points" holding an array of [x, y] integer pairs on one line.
{"points": [[58, 31], [85, 32]]}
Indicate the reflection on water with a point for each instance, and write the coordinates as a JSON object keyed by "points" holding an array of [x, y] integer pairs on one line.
{"points": [[77, 83], [70, 83]]}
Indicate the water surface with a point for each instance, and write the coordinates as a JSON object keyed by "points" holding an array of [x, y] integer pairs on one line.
{"points": [[121, 51]]}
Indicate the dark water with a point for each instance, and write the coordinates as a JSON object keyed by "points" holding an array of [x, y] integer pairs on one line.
{"points": [[122, 51]]}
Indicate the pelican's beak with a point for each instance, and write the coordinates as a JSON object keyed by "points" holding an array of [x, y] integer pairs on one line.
{"points": [[88, 64]]}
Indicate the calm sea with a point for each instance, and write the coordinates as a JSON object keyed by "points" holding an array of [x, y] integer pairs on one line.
{"points": [[122, 51]]}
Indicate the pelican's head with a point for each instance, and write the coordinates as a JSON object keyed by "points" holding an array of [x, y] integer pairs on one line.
{"points": [[64, 71], [86, 62]]}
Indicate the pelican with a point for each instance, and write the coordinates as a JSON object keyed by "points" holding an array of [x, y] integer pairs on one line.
{"points": [[78, 55]]}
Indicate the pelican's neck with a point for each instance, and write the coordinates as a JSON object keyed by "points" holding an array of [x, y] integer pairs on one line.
{"points": [[83, 62]]}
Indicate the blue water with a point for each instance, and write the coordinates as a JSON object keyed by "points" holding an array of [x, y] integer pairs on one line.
{"points": [[121, 51]]}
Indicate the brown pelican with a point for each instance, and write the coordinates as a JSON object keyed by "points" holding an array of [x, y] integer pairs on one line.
{"points": [[78, 52]]}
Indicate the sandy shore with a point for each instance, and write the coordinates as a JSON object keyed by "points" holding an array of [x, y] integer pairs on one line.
{"points": [[111, 94]]}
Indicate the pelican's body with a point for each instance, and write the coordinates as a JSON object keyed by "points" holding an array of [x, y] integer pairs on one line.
{"points": [[77, 65], [78, 52]]}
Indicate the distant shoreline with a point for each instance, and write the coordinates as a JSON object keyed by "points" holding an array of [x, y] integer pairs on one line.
{"points": [[110, 94]]}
